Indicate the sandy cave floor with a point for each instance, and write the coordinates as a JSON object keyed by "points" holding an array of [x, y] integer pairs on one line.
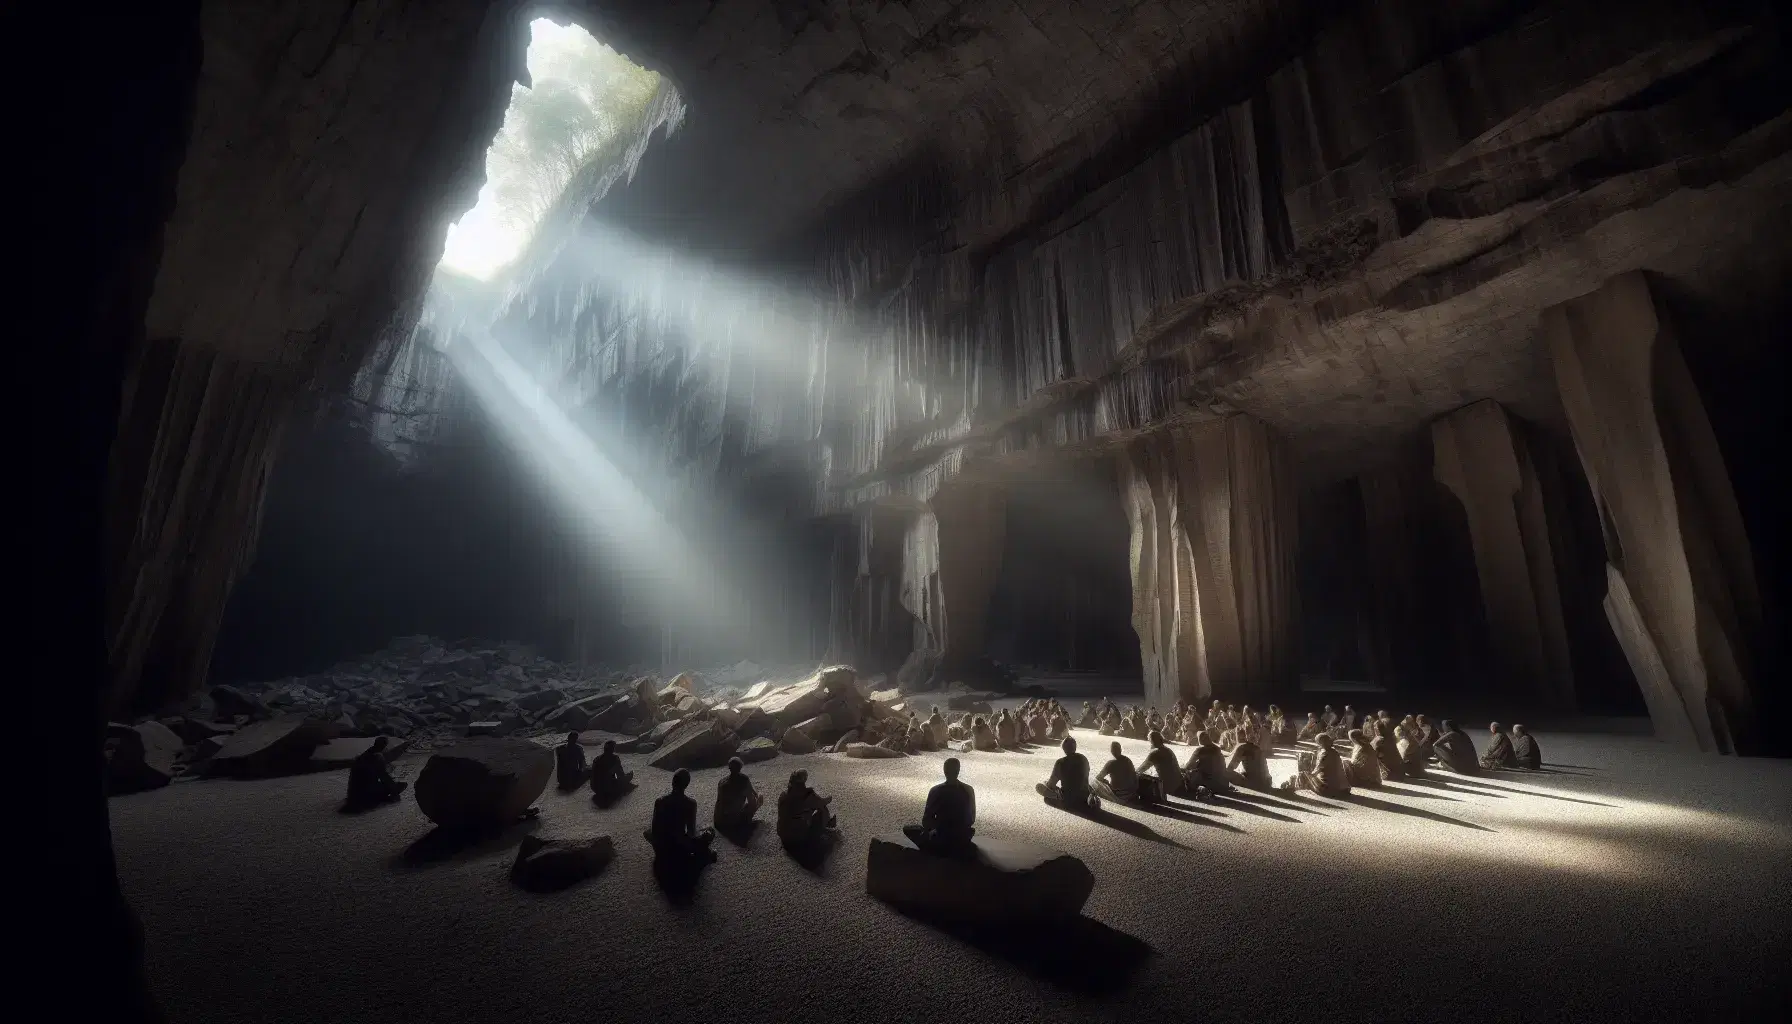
{"points": [[1640, 884]]}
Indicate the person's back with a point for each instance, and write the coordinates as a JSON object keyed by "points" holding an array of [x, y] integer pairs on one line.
{"points": [[1456, 751], [569, 762], [1072, 773], [1120, 777], [1207, 764], [736, 800], [950, 816], [674, 818], [1249, 768], [1525, 750], [1162, 762]]}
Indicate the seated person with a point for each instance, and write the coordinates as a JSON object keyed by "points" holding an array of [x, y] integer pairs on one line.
{"points": [[1387, 754], [1165, 778], [1088, 719], [608, 780], [1040, 726], [1428, 735], [1060, 726], [1328, 719], [1413, 752], [1068, 786], [982, 736], [673, 833], [1110, 723], [949, 820], [803, 815], [569, 763], [1249, 768], [1525, 749], [1205, 769], [1118, 780], [936, 724], [1310, 730], [370, 781], [736, 799], [1348, 719], [1499, 750], [1327, 776], [1007, 730], [1455, 751], [1365, 767]]}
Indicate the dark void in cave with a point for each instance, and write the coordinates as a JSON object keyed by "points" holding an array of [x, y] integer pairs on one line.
{"points": [[473, 435]]}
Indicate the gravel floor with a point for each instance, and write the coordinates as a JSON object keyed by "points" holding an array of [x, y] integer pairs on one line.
{"points": [[1639, 884]]}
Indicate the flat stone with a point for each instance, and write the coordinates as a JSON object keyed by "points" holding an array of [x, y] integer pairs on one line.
{"points": [[802, 701], [487, 728], [1007, 882], [759, 748], [797, 742], [341, 752], [696, 745], [871, 751], [140, 758], [278, 746], [484, 781], [231, 701], [549, 865]]}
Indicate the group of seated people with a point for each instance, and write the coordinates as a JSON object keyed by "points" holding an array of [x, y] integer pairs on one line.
{"points": [[805, 821], [608, 780], [1384, 749], [1185, 723], [1037, 720]]}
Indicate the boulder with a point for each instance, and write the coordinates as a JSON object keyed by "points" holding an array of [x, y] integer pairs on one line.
{"points": [[886, 697], [158, 737], [1006, 882], [796, 741], [483, 781], [465, 664], [802, 701], [278, 746], [759, 748], [140, 758], [821, 729], [975, 703], [230, 702], [695, 745], [613, 716], [756, 691], [871, 751], [341, 752], [549, 865], [194, 730], [646, 692]]}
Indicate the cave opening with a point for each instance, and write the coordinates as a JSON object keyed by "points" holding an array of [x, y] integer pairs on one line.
{"points": [[1061, 608]]}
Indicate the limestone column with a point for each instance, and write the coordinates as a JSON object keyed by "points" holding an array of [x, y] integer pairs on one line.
{"points": [[1479, 457], [1212, 506], [968, 528], [1681, 591]]}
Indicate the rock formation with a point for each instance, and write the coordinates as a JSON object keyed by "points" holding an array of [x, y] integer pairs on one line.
{"points": [[483, 783]]}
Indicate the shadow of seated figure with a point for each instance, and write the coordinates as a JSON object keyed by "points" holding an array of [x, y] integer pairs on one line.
{"points": [[569, 763], [609, 783], [674, 836], [805, 825], [949, 819], [736, 804], [370, 781], [1068, 786]]}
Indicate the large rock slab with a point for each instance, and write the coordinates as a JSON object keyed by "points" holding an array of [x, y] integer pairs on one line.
{"points": [[871, 751], [140, 758], [802, 701], [278, 746], [577, 715], [549, 865], [695, 745], [1006, 882], [759, 748], [230, 702], [483, 782], [341, 752]]}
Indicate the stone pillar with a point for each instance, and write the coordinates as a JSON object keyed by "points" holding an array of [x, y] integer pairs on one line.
{"points": [[1681, 592], [1213, 516], [952, 556], [1480, 458]]}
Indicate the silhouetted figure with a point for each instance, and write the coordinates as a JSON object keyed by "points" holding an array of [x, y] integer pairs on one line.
{"points": [[1328, 719], [1428, 736], [1525, 749], [949, 820], [674, 835], [1249, 768], [370, 781], [1322, 772], [1007, 730], [736, 799], [609, 782], [936, 724], [1205, 768], [1089, 719], [1365, 767], [1118, 780], [1164, 778], [982, 736], [1068, 786], [569, 763], [803, 816], [1499, 750], [1455, 751]]}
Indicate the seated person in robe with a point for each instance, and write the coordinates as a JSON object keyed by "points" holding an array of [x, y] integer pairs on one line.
{"points": [[1413, 753], [1525, 749], [982, 736], [1154, 722], [1118, 780], [1499, 750], [608, 780], [1249, 767], [673, 833], [1110, 724], [1348, 719], [1088, 720], [1327, 777], [1068, 786], [1007, 733], [1133, 725], [1428, 735], [736, 799], [803, 815], [1365, 767], [1165, 774], [1059, 728], [1387, 755], [370, 781], [1455, 751], [569, 763], [1042, 727], [1328, 719], [936, 724], [1205, 768], [948, 821], [1311, 729], [1278, 726]]}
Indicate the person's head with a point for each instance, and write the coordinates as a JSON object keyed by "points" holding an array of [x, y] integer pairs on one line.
{"points": [[951, 767], [935, 711], [1422, 720], [1328, 707], [799, 780], [609, 746], [978, 721], [1493, 727], [1156, 738], [379, 744], [734, 766], [572, 739], [1311, 716], [1358, 736], [1349, 710], [1115, 749], [1324, 740], [1517, 730], [680, 779], [1449, 726], [1069, 745]]}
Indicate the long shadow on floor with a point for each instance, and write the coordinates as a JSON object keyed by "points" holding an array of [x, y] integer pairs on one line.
{"points": [[1080, 955], [1477, 785], [1437, 783], [1383, 805], [1180, 814], [442, 844], [1401, 789], [1121, 823], [1578, 767], [814, 857], [1230, 801], [1263, 800]]}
